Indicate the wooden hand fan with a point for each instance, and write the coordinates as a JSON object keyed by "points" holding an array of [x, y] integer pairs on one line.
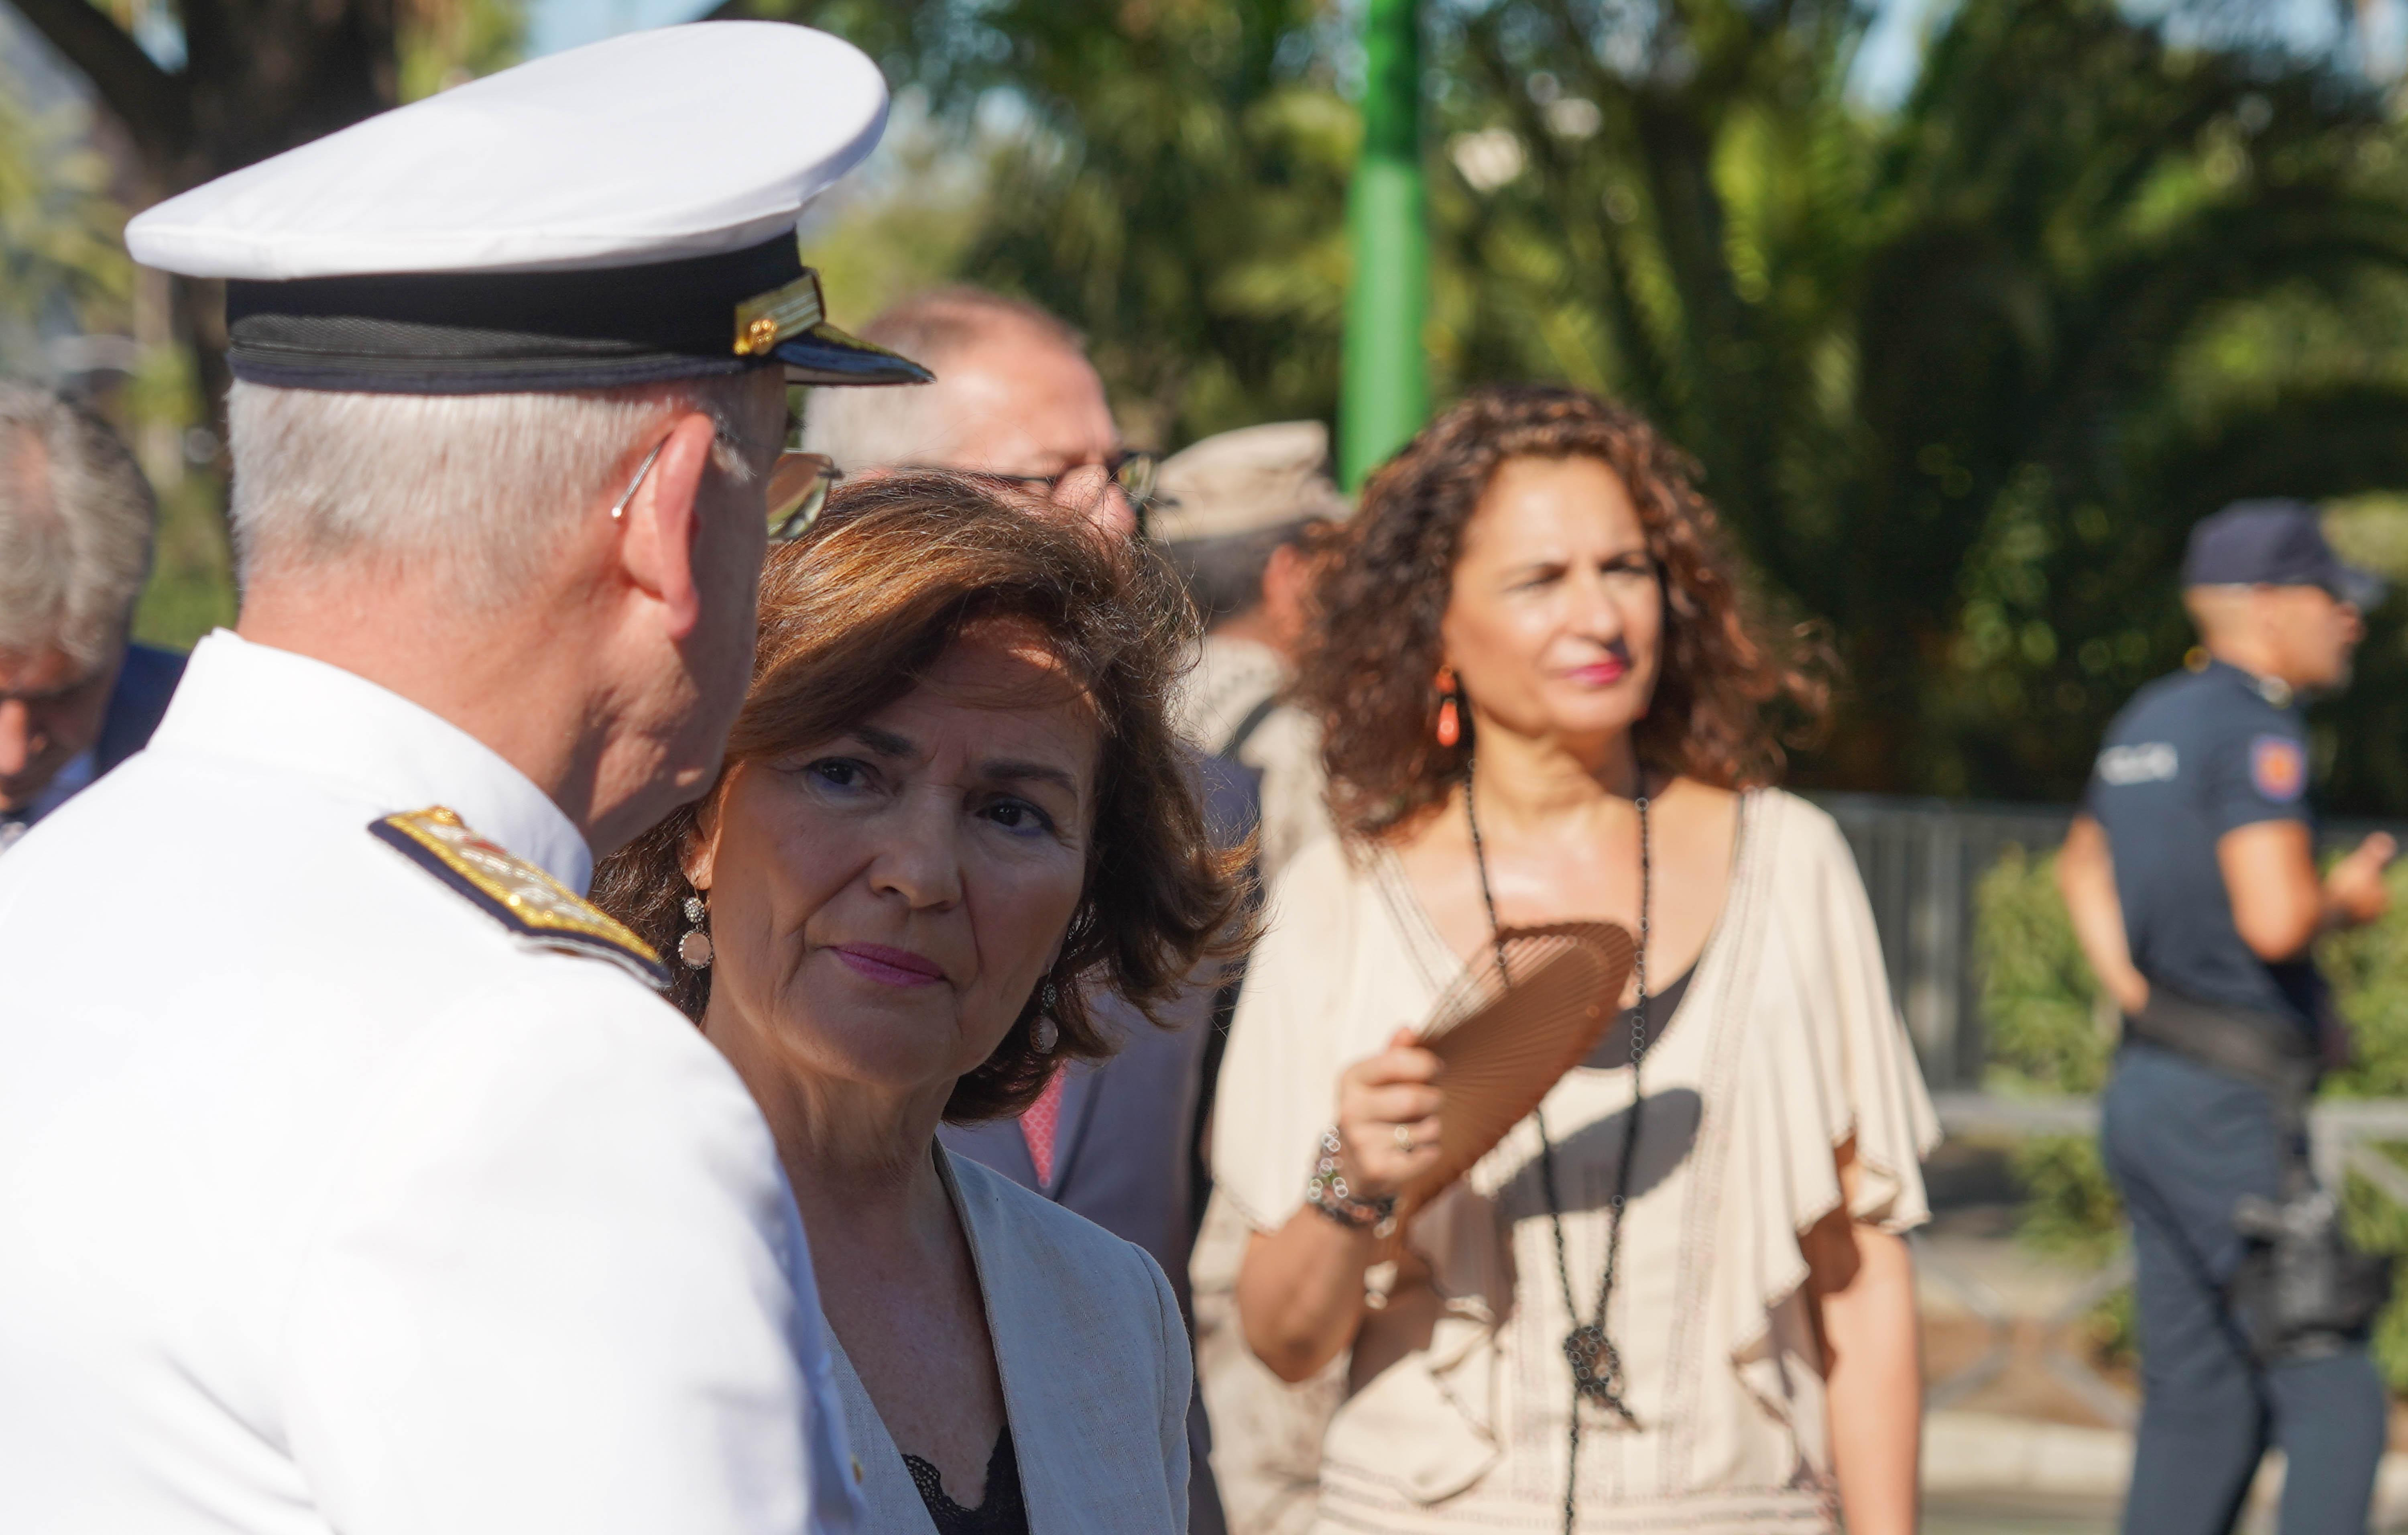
{"points": [[1506, 1033]]}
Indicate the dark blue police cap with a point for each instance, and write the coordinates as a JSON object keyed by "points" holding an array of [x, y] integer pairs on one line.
{"points": [[2274, 544]]}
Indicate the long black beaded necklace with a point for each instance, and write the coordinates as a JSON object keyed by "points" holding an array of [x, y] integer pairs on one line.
{"points": [[1596, 1364]]}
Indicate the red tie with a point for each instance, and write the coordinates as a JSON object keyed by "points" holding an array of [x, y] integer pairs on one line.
{"points": [[1038, 1123]]}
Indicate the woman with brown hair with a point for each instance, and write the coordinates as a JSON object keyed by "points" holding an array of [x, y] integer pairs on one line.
{"points": [[953, 813], [1677, 1296]]}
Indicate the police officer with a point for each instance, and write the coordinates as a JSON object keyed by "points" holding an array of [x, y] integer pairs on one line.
{"points": [[2190, 875], [352, 1176]]}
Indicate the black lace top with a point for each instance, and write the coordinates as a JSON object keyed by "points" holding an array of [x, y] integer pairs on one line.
{"points": [[1613, 1052], [1003, 1513]]}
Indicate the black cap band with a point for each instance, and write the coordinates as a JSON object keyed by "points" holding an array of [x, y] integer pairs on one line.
{"points": [[478, 333]]}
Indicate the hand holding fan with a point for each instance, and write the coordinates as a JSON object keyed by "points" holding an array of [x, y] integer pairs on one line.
{"points": [[1516, 1019]]}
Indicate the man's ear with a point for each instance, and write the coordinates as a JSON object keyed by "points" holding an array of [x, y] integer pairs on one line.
{"points": [[656, 543]]}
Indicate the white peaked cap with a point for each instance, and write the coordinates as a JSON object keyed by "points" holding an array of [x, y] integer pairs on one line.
{"points": [[684, 141], [620, 214]]}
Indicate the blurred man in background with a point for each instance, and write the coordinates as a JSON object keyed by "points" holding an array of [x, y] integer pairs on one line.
{"points": [[2191, 877], [1017, 400], [1237, 515], [76, 698]]}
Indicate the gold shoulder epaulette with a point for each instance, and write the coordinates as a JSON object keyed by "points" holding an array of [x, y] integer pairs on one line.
{"points": [[521, 897]]}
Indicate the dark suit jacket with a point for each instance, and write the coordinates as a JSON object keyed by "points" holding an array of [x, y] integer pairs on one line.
{"points": [[135, 704]]}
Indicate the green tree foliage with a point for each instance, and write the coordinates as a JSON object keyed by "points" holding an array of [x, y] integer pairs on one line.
{"points": [[2049, 1032], [2049, 1027], [1961, 372], [1944, 366], [258, 76], [60, 255], [442, 43], [1169, 174]]}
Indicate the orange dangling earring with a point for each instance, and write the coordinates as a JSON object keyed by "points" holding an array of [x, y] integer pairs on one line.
{"points": [[1450, 724]]}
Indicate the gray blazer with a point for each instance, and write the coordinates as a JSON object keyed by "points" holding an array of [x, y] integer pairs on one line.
{"points": [[1123, 1153], [1095, 1365]]}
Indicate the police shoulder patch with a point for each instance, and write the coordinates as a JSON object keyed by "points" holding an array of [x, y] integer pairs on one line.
{"points": [[521, 897], [2278, 768]]}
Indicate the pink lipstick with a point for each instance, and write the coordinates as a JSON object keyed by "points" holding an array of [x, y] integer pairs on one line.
{"points": [[892, 967]]}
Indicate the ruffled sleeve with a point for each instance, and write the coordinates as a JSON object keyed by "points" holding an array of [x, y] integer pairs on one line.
{"points": [[1872, 1083], [1827, 1063]]}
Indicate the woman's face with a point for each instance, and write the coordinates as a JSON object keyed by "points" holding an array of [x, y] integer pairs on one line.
{"points": [[883, 903], [1555, 616]]}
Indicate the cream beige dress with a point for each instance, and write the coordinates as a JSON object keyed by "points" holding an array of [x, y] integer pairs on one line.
{"points": [[1784, 1047]]}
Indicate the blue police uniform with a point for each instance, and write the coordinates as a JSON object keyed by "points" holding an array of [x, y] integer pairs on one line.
{"points": [[2195, 756]]}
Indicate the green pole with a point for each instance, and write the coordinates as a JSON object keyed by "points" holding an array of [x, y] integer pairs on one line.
{"points": [[1384, 389]]}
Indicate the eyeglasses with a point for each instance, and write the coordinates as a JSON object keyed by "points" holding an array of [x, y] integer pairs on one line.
{"points": [[799, 492], [1132, 469], [796, 490]]}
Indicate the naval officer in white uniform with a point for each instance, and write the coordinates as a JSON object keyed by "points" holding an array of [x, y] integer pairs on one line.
{"points": [[352, 1175]]}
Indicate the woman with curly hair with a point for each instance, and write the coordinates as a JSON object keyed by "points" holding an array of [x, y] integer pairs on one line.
{"points": [[1544, 698], [952, 816]]}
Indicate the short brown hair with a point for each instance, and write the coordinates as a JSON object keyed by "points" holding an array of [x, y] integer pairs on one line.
{"points": [[855, 612], [1729, 692]]}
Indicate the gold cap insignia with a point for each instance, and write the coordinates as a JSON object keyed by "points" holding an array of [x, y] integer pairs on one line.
{"points": [[521, 897], [764, 319]]}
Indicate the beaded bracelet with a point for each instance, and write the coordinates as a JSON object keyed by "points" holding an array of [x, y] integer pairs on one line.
{"points": [[1326, 1192]]}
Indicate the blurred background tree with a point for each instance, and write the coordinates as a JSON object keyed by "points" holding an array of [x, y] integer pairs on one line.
{"points": [[62, 265], [1961, 371], [197, 88], [1961, 366], [174, 93], [1169, 174], [1961, 374]]}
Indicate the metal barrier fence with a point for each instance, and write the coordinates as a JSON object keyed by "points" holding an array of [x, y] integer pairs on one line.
{"points": [[1921, 860]]}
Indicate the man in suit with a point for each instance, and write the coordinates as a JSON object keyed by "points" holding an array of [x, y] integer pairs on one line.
{"points": [[1017, 402], [76, 525]]}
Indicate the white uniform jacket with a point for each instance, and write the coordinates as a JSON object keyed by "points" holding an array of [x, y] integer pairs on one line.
{"points": [[330, 1202]]}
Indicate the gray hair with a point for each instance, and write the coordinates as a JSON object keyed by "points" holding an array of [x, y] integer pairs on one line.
{"points": [[77, 521], [875, 428], [480, 487]]}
